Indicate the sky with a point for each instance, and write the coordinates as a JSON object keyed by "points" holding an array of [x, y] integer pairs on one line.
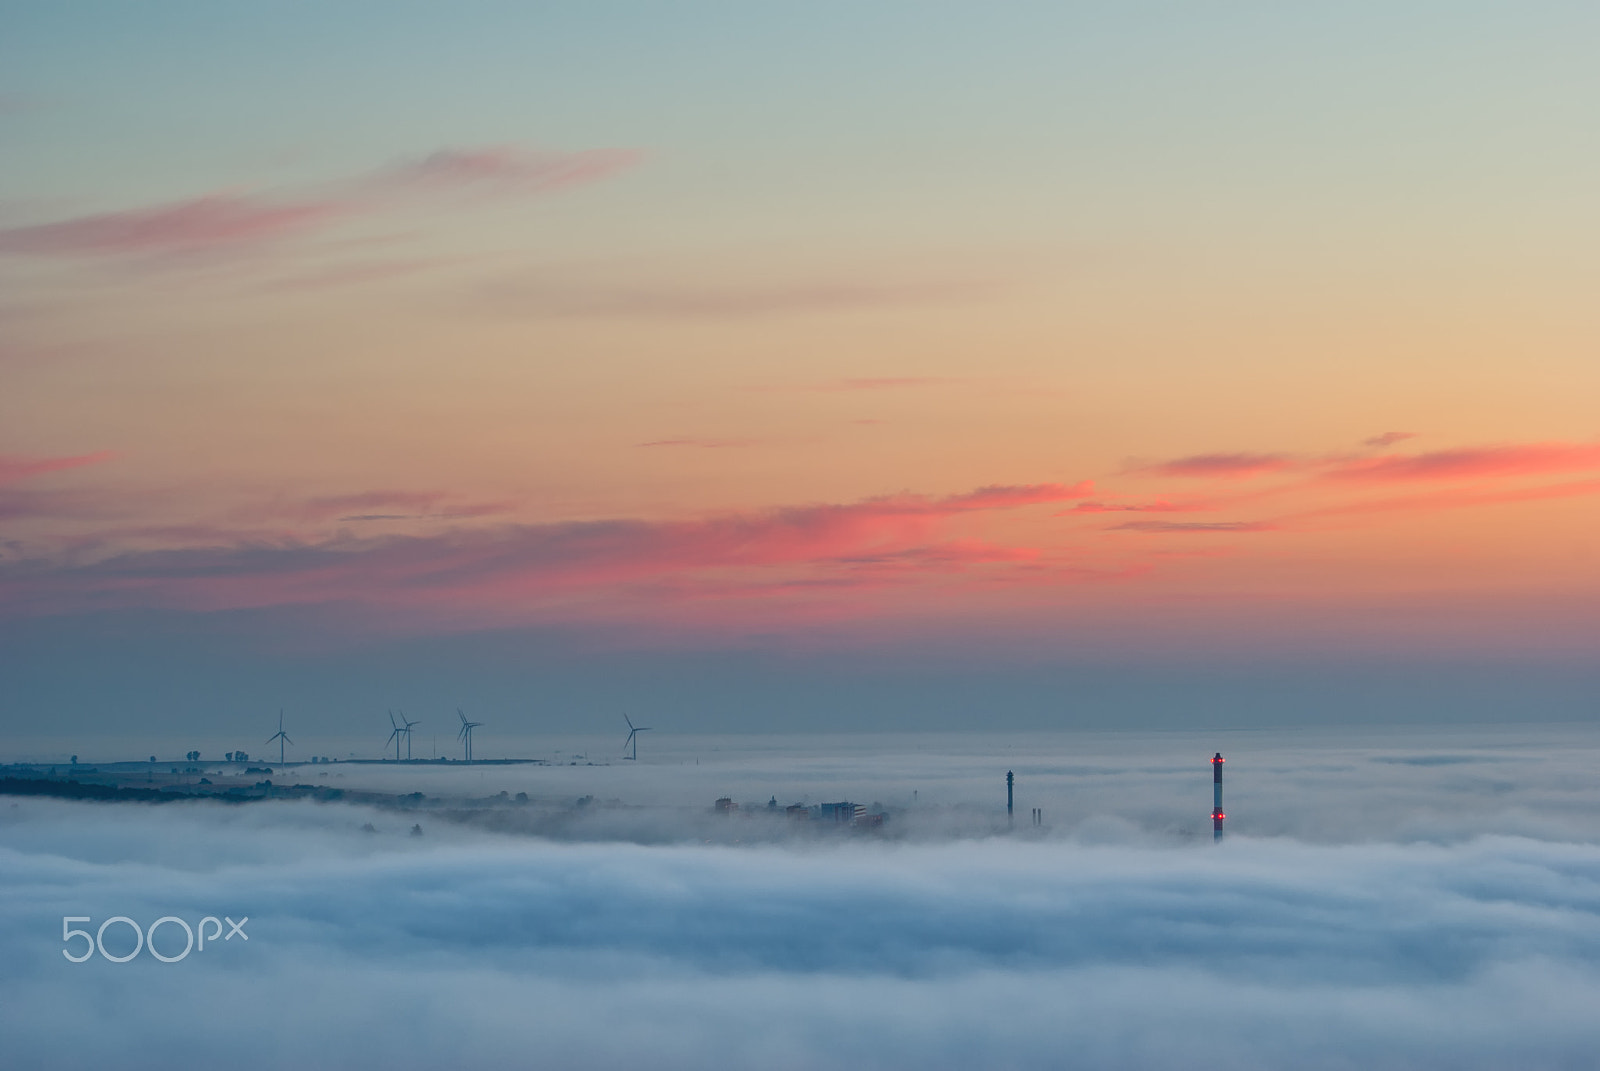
{"points": [[1397, 900], [773, 366]]}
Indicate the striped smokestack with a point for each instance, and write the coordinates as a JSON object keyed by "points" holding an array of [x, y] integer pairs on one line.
{"points": [[1216, 796]]}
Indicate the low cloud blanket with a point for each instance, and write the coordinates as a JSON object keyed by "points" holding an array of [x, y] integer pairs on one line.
{"points": [[1101, 948]]}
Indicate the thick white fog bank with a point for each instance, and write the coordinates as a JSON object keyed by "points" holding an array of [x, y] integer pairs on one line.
{"points": [[1102, 946]]}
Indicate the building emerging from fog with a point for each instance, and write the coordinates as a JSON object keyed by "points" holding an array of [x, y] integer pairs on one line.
{"points": [[843, 813]]}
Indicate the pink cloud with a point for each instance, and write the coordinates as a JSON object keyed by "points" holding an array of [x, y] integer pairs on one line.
{"points": [[1460, 499], [1159, 506], [1009, 497], [220, 220], [506, 170], [378, 506], [1222, 466], [1528, 459], [14, 467], [332, 505], [1389, 438], [519, 569], [1194, 526], [229, 221]]}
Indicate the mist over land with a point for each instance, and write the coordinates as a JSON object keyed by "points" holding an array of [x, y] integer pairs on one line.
{"points": [[1400, 899]]}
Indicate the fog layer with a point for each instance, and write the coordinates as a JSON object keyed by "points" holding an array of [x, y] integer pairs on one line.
{"points": [[1104, 942]]}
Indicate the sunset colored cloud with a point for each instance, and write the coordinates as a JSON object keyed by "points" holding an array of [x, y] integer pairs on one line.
{"points": [[1194, 526], [215, 221], [506, 170], [1009, 497], [233, 221], [391, 505], [1461, 498], [1159, 506], [1222, 466], [536, 566], [15, 467], [1490, 462], [1389, 438]]}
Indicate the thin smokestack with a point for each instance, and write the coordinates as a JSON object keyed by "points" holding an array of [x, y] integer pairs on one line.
{"points": [[1010, 781], [1216, 796]]}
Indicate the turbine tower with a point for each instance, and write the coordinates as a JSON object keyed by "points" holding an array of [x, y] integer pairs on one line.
{"points": [[394, 736], [407, 731], [633, 738], [466, 732], [280, 736]]}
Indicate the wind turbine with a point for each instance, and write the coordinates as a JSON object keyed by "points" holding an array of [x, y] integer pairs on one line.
{"points": [[280, 736], [395, 736], [633, 738], [466, 731], [407, 731]]}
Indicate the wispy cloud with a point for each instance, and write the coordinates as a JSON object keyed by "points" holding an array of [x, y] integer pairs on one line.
{"points": [[1459, 498], [220, 222], [997, 496], [534, 566], [1524, 459], [1222, 466], [438, 505], [1389, 438], [202, 223], [1194, 526], [504, 170], [1158, 506], [15, 467], [391, 547]]}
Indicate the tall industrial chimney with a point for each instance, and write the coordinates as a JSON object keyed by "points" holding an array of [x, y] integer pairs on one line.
{"points": [[1216, 793], [1010, 780]]}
